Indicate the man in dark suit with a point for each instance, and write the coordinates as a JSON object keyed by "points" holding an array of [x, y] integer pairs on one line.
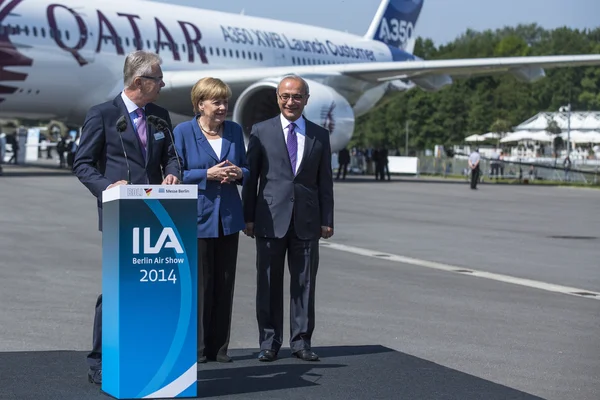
{"points": [[139, 154], [288, 206]]}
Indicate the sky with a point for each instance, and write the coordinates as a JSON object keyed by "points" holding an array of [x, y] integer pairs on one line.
{"points": [[440, 20]]}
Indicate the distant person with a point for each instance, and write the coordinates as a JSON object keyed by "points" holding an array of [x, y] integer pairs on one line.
{"points": [[100, 162], [474, 159], [214, 158], [14, 141], [343, 161], [61, 148], [567, 167], [2, 149], [288, 207], [495, 163]]}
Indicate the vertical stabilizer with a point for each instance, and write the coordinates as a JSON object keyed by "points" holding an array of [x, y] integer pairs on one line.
{"points": [[395, 23]]}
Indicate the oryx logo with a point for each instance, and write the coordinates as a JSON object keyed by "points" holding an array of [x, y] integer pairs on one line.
{"points": [[166, 240], [9, 55], [328, 122], [397, 25]]}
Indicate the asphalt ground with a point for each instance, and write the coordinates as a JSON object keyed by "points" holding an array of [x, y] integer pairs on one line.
{"points": [[404, 325]]}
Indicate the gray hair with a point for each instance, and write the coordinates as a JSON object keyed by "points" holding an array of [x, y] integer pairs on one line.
{"points": [[294, 77], [138, 63]]}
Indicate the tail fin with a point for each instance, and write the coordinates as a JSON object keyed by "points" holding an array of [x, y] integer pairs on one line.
{"points": [[395, 22]]}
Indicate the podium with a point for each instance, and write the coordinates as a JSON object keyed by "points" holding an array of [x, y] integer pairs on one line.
{"points": [[149, 290]]}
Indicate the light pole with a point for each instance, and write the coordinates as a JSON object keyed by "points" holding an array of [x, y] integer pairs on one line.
{"points": [[567, 108]]}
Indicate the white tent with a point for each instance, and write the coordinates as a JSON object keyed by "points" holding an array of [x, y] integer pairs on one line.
{"points": [[475, 138], [582, 137]]}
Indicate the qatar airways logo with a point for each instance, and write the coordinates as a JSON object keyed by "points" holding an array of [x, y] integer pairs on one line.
{"points": [[61, 16]]}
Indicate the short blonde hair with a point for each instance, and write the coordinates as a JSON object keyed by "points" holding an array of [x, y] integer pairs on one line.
{"points": [[209, 89]]}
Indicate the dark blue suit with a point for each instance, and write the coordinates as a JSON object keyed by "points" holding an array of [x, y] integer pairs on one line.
{"points": [[287, 211], [220, 218], [100, 161]]}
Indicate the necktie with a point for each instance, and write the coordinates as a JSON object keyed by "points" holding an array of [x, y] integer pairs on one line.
{"points": [[292, 145], [141, 128]]}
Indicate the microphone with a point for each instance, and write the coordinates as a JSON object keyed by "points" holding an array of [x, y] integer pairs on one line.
{"points": [[161, 125], [121, 126]]}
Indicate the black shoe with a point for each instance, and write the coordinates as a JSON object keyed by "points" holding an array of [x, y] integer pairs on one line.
{"points": [[223, 358], [307, 355], [95, 376], [202, 360], [267, 355]]}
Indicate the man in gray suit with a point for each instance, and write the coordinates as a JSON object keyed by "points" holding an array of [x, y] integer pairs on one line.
{"points": [[288, 206]]}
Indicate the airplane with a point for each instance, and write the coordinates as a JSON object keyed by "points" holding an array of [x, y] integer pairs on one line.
{"points": [[60, 57]]}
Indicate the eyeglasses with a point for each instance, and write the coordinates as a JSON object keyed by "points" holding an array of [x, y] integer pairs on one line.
{"points": [[154, 78], [295, 97]]}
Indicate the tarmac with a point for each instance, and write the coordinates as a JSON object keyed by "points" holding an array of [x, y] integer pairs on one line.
{"points": [[427, 290]]}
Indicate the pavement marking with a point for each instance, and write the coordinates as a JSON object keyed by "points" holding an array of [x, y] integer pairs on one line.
{"points": [[550, 287]]}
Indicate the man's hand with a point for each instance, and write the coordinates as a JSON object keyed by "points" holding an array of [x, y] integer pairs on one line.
{"points": [[118, 183], [326, 232], [249, 230], [170, 180]]}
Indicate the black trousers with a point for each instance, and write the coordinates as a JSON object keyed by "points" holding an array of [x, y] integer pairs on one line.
{"points": [[94, 357], [474, 177], [217, 259], [303, 261], [342, 168]]}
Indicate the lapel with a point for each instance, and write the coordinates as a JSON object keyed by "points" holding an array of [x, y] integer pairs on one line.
{"points": [[130, 135], [309, 141], [202, 141], [226, 142], [150, 131]]}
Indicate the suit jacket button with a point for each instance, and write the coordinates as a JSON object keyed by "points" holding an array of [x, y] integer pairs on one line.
{"points": [[292, 199]]}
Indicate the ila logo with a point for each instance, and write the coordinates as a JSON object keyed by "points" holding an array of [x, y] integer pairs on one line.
{"points": [[166, 240]]}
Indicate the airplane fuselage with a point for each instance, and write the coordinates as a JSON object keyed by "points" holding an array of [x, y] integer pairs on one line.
{"points": [[76, 50]]}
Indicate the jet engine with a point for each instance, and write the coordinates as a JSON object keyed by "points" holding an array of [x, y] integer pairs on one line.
{"points": [[325, 107]]}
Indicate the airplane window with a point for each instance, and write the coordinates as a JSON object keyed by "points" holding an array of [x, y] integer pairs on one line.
{"points": [[230, 53], [34, 31], [148, 43], [210, 50], [27, 30], [218, 52], [127, 41], [183, 47], [261, 56], [67, 35], [237, 54], [255, 56], [243, 54], [43, 32], [293, 60], [51, 32]]}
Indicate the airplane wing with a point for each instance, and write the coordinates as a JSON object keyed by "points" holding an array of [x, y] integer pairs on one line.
{"points": [[429, 74]]}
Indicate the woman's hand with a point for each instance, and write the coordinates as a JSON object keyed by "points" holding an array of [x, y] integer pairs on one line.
{"points": [[233, 172], [218, 172]]}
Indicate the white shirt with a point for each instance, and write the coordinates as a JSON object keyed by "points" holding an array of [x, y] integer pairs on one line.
{"points": [[300, 134], [216, 144], [474, 157], [131, 107]]}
